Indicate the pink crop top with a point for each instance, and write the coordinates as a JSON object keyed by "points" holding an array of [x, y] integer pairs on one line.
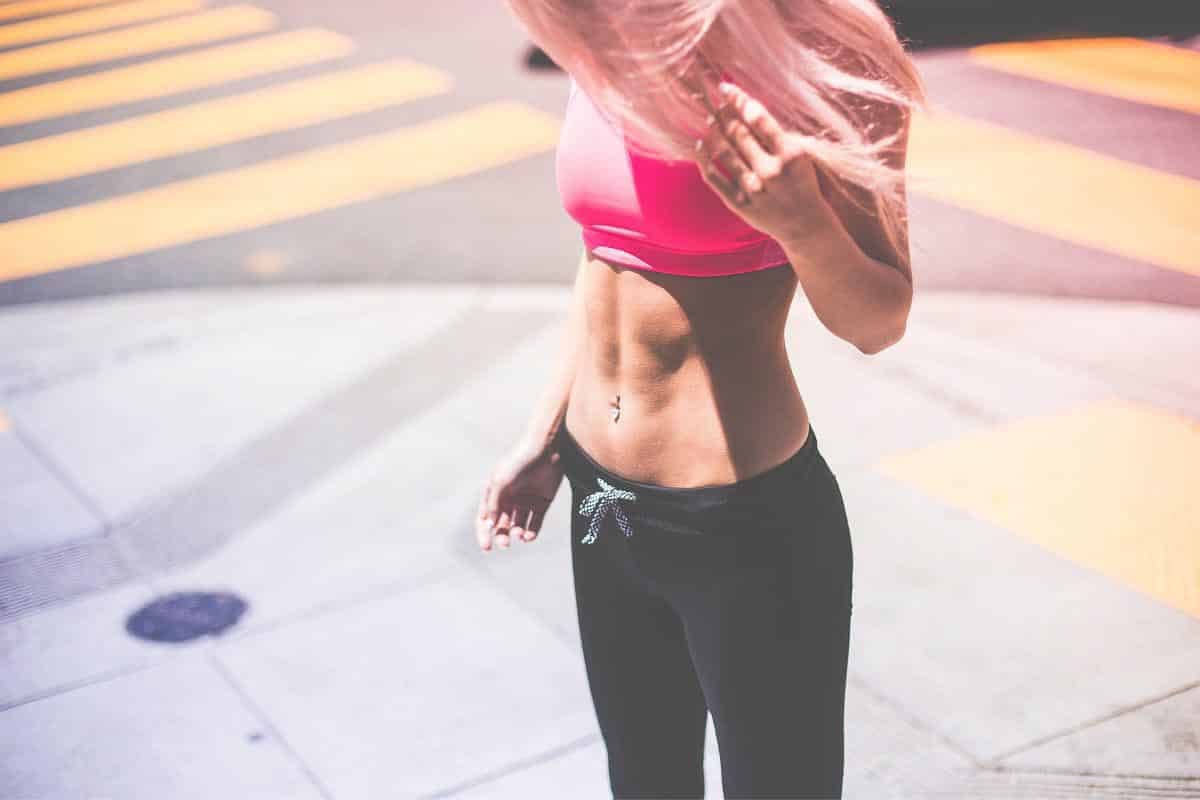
{"points": [[648, 213]]}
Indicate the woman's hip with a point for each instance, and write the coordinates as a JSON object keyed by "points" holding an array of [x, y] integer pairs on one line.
{"points": [[754, 567]]}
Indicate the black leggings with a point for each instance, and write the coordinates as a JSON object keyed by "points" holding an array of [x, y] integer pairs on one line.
{"points": [[734, 599]]}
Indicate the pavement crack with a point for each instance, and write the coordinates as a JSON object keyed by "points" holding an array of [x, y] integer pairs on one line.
{"points": [[994, 761], [515, 767], [265, 721]]}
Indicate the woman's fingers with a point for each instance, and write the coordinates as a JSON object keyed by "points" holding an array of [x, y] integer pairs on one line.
{"points": [[521, 519], [753, 128], [530, 523], [500, 532], [492, 499], [521, 522], [483, 523], [499, 521], [714, 177], [518, 516], [536, 515]]}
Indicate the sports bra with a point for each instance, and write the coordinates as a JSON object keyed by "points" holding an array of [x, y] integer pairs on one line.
{"points": [[648, 213]]}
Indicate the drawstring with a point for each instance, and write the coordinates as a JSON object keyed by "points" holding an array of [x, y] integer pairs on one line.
{"points": [[600, 503]]}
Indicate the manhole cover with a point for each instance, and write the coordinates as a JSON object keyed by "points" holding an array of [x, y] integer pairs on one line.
{"points": [[183, 616]]}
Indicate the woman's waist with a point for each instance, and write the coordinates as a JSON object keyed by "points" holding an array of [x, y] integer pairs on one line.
{"points": [[702, 509], [687, 431]]}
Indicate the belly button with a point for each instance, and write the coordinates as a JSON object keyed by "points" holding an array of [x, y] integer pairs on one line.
{"points": [[615, 406]]}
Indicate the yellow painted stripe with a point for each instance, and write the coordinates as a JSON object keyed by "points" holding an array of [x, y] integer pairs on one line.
{"points": [[93, 20], [283, 189], [1110, 486], [216, 122], [167, 76], [153, 37], [33, 8], [1132, 69], [1057, 189]]}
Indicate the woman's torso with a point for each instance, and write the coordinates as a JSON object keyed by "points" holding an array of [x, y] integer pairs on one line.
{"points": [[707, 393]]}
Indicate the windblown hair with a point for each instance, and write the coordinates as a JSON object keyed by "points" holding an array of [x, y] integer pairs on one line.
{"points": [[833, 71]]}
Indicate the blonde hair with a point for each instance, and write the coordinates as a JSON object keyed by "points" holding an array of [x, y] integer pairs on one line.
{"points": [[833, 71]]}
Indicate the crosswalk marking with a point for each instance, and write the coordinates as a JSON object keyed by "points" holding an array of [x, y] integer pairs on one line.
{"points": [[208, 124], [92, 20], [153, 37], [1057, 189], [282, 189], [32, 8], [1132, 69], [1110, 486], [167, 76], [1137, 212]]}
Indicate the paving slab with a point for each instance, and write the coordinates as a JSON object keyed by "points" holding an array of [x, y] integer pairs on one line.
{"points": [[1121, 341], [890, 756], [1160, 738], [178, 730], [989, 639], [302, 449], [72, 643], [579, 771], [50, 342], [37, 509], [997, 382], [296, 448], [381, 520], [536, 575], [887, 758], [497, 403], [854, 400], [418, 690], [1107, 484], [941, 385], [140, 428], [1136, 346]]}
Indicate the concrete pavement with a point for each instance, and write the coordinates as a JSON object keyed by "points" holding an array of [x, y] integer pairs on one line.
{"points": [[1027, 579]]}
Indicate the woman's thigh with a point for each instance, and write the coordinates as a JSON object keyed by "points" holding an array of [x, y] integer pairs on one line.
{"points": [[766, 608], [647, 698]]}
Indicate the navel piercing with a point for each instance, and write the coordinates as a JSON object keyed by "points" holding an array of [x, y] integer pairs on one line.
{"points": [[616, 408]]}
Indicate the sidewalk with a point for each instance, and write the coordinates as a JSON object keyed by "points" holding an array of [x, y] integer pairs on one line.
{"points": [[1019, 474]]}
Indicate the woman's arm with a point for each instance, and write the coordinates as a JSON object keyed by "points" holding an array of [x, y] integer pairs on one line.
{"points": [[552, 407], [859, 298]]}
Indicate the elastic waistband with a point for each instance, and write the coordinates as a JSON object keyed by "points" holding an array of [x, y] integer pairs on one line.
{"points": [[583, 469]]}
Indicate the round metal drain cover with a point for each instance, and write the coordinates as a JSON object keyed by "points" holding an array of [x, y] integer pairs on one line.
{"points": [[183, 616]]}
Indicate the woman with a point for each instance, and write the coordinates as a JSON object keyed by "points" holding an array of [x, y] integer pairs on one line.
{"points": [[710, 545]]}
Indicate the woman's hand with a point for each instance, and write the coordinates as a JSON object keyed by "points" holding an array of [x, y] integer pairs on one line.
{"points": [[772, 183], [517, 494]]}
